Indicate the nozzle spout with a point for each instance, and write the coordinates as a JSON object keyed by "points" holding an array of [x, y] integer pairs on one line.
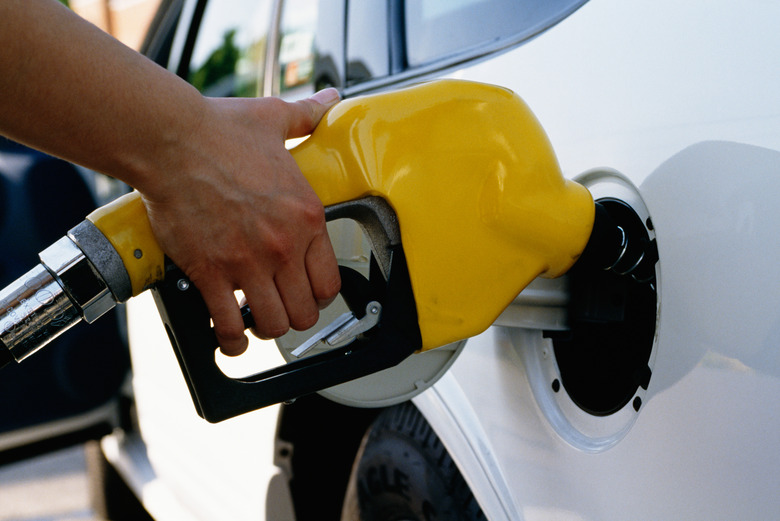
{"points": [[614, 246], [34, 310], [50, 299]]}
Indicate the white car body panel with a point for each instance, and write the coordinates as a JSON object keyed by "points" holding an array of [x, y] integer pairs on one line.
{"points": [[676, 97], [212, 471], [619, 85]]}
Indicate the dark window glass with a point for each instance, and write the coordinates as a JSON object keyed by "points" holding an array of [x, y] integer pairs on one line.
{"points": [[159, 38], [228, 58], [310, 51], [437, 29], [329, 45], [368, 54], [297, 31]]}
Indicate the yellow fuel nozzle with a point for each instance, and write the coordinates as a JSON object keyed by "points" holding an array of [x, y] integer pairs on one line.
{"points": [[482, 204], [458, 185], [126, 225]]}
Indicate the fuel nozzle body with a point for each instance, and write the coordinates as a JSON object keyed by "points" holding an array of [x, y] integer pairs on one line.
{"points": [[80, 277], [456, 186]]}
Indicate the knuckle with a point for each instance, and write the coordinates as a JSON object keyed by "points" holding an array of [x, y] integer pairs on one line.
{"points": [[311, 212], [229, 333], [275, 105], [281, 248], [327, 291], [309, 110], [306, 320], [273, 330]]}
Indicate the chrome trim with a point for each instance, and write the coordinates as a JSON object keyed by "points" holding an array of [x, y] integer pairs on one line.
{"points": [[541, 305], [104, 257], [79, 278]]}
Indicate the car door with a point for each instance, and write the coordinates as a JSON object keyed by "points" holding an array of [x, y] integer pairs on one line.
{"points": [[669, 416], [639, 115]]}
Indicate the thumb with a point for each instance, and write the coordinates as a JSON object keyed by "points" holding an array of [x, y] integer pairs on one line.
{"points": [[309, 111]]}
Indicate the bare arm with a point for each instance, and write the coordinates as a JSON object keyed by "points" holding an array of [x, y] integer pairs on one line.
{"points": [[226, 201]]}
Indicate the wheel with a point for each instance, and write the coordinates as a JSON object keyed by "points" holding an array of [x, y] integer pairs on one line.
{"points": [[110, 497], [402, 472]]}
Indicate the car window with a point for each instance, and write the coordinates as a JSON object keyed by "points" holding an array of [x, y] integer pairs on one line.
{"points": [[159, 38], [310, 47], [368, 54], [296, 45], [228, 57], [180, 37], [437, 29]]}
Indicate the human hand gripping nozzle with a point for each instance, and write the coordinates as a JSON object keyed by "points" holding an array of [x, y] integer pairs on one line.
{"points": [[454, 183]]}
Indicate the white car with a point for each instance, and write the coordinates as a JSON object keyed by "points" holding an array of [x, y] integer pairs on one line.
{"points": [[593, 396]]}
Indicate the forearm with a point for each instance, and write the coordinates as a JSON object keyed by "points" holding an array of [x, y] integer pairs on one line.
{"points": [[75, 92], [225, 199]]}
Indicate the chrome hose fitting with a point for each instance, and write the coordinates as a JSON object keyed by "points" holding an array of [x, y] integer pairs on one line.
{"points": [[76, 279]]}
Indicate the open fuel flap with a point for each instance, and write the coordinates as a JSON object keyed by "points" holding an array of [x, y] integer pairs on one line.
{"points": [[590, 350]]}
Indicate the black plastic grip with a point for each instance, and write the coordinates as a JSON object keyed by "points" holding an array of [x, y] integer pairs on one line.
{"points": [[218, 397]]}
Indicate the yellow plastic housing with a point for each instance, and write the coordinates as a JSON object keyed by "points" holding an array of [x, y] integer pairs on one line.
{"points": [[125, 224], [482, 204]]}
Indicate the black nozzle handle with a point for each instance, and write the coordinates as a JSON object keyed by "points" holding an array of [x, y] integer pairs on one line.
{"points": [[397, 335]]}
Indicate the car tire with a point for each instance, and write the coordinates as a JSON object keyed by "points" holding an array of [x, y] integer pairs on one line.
{"points": [[110, 497], [402, 472]]}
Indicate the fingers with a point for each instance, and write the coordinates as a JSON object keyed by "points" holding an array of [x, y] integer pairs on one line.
{"points": [[323, 271], [305, 114], [226, 315], [256, 224], [297, 292], [269, 313]]}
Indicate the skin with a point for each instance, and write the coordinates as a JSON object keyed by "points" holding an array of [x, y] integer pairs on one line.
{"points": [[226, 200]]}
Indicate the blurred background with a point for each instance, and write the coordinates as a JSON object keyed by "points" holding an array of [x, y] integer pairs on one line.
{"points": [[54, 486], [127, 20]]}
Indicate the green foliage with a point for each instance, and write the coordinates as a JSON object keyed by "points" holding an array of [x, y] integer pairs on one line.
{"points": [[221, 64]]}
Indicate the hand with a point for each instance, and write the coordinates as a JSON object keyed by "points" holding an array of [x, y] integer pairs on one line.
{"points": [[236, 213], [225, 199]]}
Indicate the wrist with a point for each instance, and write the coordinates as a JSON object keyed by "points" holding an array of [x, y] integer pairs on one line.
{"points": [[170, 146]]}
